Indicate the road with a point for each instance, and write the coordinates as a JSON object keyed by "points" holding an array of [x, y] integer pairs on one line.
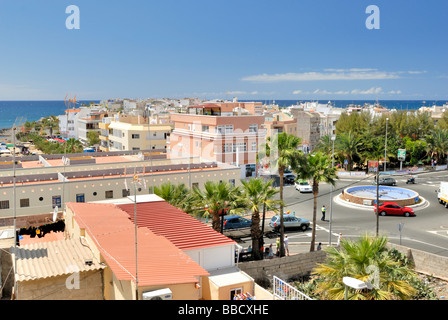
{"points": [[427, 231]]}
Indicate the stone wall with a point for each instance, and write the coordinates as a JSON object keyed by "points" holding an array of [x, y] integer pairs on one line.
{"points": [[425, 262], [288, 268]]}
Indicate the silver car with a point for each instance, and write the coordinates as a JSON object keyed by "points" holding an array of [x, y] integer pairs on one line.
{"points": [[289, 222]]}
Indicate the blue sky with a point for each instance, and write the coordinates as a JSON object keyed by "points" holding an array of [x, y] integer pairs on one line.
{"points": [[285, 49]]}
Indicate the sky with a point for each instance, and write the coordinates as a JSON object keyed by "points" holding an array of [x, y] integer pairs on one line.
{"points": [[250, 49]]}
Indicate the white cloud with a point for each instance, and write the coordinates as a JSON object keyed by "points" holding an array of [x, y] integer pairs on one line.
{"points": [[368, 91], [329, 74]]}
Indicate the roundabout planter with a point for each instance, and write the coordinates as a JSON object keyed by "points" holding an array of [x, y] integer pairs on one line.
{"points": [[366, 195]]}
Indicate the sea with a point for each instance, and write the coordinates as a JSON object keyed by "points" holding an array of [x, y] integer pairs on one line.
{"points": [[18, 112]]}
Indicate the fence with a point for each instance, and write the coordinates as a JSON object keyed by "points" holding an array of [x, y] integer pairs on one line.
{"points": [[284, 291]]}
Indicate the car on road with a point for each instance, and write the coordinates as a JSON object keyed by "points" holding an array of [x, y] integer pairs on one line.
{"points": [[303, 186], [289, 222], [394, 209], [236, 222], [386, 181], [289, 178]]}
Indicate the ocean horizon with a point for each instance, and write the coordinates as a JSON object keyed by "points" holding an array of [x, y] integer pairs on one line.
{"points": [[18, 112]]}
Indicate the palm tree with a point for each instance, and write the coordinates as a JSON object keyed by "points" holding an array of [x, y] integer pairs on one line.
{"points": [[74, 146], [217, 199], [51, 123], [348, 145], [286, 148], [176, 195], [257, 194], [367, 260], [437, 143], [317, 168]]}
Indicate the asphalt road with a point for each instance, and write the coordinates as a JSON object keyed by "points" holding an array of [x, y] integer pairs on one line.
{"points": [[427, 231]]}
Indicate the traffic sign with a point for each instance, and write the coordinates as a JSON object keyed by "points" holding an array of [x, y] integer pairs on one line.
{"points": [[401, 154]]}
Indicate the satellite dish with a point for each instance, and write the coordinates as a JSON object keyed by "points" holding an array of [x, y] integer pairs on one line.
{"points": [[55, 213]]}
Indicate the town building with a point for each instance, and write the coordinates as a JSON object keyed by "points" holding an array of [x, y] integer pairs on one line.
{"points": [[128, 132], [218, 132], [45, 182], [108, 250], [68, 123]]}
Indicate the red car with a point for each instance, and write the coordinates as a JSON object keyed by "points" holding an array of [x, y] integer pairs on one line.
{"points": [[393, 209]]}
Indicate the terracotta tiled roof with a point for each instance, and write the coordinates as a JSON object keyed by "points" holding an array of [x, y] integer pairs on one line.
{"points": [[54, 258], [160, 262], [185, 231]]}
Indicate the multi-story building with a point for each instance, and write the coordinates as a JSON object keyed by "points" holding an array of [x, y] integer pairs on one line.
{"points": [[308, 128], [90, 123], [127, 132], [68, 122], [218, 132]]}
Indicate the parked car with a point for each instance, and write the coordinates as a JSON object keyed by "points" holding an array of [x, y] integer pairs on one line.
{"points": [[394, 209], [303, 186], [289, 222], [236, 222], [289, 178], [386, 181]]}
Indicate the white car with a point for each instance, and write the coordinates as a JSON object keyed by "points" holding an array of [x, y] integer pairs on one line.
{"points": [[303, 186]]}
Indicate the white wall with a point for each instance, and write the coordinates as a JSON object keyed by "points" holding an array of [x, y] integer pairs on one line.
{"points": [[212, 258]]}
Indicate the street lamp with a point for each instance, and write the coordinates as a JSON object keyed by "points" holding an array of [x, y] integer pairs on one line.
{"points": [[385, 147], [333, 138]]}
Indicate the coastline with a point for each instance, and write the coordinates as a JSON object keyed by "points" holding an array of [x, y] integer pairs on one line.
{"points": [[6, 135]]}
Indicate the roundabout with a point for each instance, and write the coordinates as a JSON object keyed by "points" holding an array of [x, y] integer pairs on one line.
{"points": [[365, 197]]}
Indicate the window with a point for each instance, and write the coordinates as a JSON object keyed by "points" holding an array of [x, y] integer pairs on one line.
{"points": [[205, 128], [109, 194], [228, 128], [242, 147], [253, 128], [227, 147], [135, 136], [56, 201], [80, 197], [4, 204], [254, 146], [195, 185], [234, 292], [24, 203], [126, 193]]}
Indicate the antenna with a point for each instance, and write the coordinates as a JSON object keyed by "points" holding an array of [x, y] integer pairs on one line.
{"points": [[17, 123], [136, 179]]}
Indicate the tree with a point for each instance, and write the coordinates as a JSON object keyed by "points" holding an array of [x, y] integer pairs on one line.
{"points": [[93, 137], [285, 147], [437, 144], [74, 146], [177, 195], [348, 145], [51, 123], [217, 199], [258, 196], [317, 168], [367, 260]]}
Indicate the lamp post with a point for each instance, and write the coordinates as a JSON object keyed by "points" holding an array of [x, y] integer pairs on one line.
{"points": [[385, 147], [355, 284], [333, 138]]}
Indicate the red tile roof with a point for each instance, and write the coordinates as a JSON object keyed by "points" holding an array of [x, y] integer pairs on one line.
{"points": [[160, 262], [185, 231]]}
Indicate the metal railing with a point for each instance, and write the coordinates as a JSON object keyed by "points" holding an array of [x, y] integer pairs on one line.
{"points": [[284, 291]]}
